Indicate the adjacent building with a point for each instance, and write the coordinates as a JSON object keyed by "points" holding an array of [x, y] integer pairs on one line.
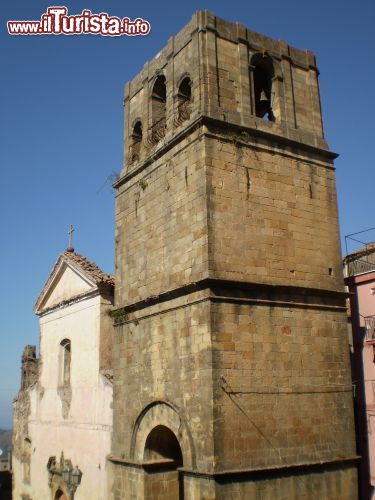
{"points": [[360, 280], [63, 413]]}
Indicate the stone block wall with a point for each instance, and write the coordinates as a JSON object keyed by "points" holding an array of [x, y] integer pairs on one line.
{"points": [[281, 383], [216, 54], [161, 224], [272, 213], [329, 485], [225, 206], [230, 313], [163, 356]]}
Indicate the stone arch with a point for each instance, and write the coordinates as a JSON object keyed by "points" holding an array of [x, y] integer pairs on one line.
{"points": [[184, 97], [159, 88], [263, 74], [162, 460], [158, 106], [184, 86], [136, 140], [161, 413], [278, 70], [65, 361], [162, 444]]}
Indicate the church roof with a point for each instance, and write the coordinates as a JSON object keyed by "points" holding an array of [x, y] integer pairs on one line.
{"points": [[90, 268], [87, 277]]}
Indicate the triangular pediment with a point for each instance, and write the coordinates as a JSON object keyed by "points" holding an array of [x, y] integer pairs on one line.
{"points": [[65, 282]]}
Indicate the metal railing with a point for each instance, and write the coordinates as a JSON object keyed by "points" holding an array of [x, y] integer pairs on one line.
{"points": [[360, 260], [360, 266]]}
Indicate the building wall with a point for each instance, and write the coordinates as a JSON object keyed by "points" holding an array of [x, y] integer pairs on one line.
{"points": [[330, 485], [167, 361], [76, 420], [366, 302], [281, 384], [166, 202], [230, 312], [272, 214], [362, 288], [216, 55]]}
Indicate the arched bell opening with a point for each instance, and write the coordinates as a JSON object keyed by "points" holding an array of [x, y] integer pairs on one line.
{"points": [[184, 99], [263, 74], [136, 141], [158, 108]]}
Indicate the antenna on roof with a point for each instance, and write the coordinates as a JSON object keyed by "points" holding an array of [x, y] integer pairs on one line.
{"points": [[71, 230]]}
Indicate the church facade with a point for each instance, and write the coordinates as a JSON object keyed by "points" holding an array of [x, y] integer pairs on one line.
{"points": [[63, 412], [231, 366]]}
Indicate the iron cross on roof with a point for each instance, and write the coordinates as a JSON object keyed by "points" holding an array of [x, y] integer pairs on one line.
{"points": [[71, 231]]}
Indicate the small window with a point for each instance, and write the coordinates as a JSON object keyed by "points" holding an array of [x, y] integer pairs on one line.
{"points": [[184, 100], [65, 361], [158, 108], [263, 71]]}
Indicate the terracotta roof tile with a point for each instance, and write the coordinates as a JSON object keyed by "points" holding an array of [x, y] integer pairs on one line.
{"points": [[90, 268], [92, 271]]}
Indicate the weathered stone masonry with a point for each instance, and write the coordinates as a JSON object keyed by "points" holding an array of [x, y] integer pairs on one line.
{"points": [[22, 408], [231, 323]]}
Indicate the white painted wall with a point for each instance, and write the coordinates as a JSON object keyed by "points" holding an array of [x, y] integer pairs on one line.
{"points": [[85, 435]]}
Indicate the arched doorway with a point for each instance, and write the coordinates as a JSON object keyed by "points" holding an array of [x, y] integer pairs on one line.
{"points": [[162, 458], [60, 495]]}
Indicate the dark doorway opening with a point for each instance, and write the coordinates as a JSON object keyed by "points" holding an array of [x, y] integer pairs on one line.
{"points": [[162, 458]]}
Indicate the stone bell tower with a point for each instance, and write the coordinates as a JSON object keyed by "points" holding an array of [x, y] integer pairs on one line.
{"points": [[231, 369]]}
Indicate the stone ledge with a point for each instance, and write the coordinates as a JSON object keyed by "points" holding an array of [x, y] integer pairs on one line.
{"points": [[282, 470], [244, 292], [281, 140]]}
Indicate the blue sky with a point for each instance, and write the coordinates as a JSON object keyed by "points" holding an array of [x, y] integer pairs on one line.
{"points": [[62, 132]]}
